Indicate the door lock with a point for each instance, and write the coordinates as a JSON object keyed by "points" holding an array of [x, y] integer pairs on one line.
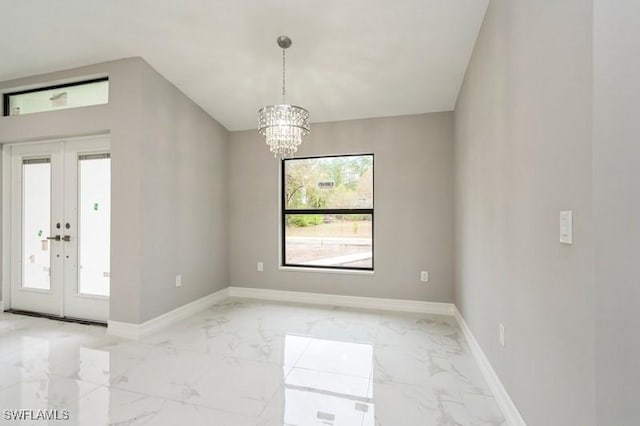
{"points": [[66, 238]]}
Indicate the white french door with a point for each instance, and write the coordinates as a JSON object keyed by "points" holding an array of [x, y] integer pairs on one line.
{"points": [[60, 228]]}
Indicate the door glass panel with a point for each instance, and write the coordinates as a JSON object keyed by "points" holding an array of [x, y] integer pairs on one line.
{"points": [[36, 223], [94, 208]]}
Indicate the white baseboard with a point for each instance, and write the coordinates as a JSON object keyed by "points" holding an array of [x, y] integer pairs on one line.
{"points": [[509, 409], [137, 331], [340, 300]]}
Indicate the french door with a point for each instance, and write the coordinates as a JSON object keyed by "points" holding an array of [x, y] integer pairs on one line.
{"points": [[60, 228]]}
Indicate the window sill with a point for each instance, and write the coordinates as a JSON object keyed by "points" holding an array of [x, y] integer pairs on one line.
{"points": [[326, 270]]}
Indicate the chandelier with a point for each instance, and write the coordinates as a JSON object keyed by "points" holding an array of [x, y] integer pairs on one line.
{"points": [[283, 125]]}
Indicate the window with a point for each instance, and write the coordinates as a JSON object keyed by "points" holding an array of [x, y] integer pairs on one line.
{"points": [[327, 212], [63, 96]]}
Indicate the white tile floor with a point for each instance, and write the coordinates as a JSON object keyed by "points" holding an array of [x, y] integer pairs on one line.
{"points": [[249, 363]]}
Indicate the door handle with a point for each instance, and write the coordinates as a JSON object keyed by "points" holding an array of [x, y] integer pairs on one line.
{"points": [[59, 238]]}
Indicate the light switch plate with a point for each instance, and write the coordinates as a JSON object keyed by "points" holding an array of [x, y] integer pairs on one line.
{"points": [[566, 227], [260, 267]]}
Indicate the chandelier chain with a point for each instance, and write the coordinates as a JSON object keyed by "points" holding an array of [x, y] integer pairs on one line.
{"points": [[284, 70]]}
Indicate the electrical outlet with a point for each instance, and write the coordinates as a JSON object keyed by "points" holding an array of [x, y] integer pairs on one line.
{"points": [[178, 280], [424, 276], [260, 267], [502, 334]]}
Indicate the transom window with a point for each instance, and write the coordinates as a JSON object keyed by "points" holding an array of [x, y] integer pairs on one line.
{"points": [[327, 212], [52, 98]]}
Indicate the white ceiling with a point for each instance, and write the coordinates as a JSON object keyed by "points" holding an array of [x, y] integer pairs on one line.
{"points": [[350, 58]]}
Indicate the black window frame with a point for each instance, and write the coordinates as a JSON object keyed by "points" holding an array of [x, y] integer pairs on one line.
{"points": [[7, 96], [284, 212]]}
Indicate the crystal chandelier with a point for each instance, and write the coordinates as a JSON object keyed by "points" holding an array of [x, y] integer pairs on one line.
{"points": [[283, 125]]}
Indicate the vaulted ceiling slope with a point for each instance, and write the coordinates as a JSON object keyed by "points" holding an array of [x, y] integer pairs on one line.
{"points": [[350, 58]]}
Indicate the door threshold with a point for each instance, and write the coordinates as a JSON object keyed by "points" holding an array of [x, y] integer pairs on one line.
{"points": [[56, 318]]}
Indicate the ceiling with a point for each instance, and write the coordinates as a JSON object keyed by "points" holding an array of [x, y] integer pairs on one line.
{"points": [[350, 58]]}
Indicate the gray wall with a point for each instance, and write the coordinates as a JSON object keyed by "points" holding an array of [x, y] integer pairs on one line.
{"points": [[413, 207], [184, 190], [142, 130], [523, 152], [617, 209]]}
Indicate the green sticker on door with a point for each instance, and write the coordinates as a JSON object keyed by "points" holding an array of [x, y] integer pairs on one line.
{"points": [[95, 206]]}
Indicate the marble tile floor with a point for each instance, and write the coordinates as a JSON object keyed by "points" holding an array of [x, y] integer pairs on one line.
{"points": [[245, 362]]}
